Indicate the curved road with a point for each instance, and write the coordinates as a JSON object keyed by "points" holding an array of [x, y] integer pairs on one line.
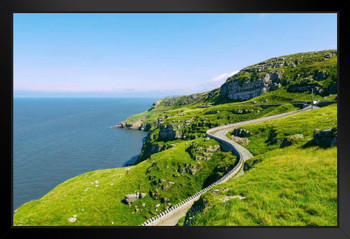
{"points": [[243, 154]]}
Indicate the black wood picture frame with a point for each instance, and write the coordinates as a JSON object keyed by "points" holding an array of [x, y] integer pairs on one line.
{"points": [[342, 8]]}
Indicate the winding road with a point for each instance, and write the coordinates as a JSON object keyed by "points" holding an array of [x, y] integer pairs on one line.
{"points": [[171, 216]]}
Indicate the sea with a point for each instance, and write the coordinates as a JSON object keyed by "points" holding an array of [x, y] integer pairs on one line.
{"points": [[55, 139]]}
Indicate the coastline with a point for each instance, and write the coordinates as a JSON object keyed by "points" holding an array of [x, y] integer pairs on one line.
{"points": [[73, 134]]}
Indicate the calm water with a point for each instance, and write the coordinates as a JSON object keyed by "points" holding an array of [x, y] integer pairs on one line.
{"points": [[59, 138]]}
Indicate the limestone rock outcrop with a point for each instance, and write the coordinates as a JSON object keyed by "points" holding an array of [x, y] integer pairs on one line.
{"points": [[290, 140], [293, 71], [136, 125], [247, 88], [326, 138], [155, 104], [167, 132], [212, 112], [132, 197], [241, 132]]}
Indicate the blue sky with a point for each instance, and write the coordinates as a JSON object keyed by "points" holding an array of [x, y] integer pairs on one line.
{"points": [[153, 55]]}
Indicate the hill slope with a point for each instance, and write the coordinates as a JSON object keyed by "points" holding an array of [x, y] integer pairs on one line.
{"points": [[97, 198], [303, 72], [293, 185], [177, 161], [283, 79]]}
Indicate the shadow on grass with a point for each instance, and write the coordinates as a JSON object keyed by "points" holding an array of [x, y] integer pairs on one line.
{"points": [[216, 175], [272, 138], [211, 179], [218, 100], [312, 143], [309, 144], [131, 161]]}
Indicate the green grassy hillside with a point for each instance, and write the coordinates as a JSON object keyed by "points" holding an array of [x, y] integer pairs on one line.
{"points": [[293, 78], [191, 123], [96, 198], [294, 185], [296, 73], [177, 160]]}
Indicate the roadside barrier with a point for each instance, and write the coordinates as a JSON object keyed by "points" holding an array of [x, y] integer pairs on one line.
{"points": [[229, 146], [179, 206]]}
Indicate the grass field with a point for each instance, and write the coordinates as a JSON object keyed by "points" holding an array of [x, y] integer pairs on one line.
{"points": [[96, 197], [291, 186]]}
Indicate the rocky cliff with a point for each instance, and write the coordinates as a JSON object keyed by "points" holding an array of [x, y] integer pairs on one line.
{"points": [[136, 125], [303, 72]]}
